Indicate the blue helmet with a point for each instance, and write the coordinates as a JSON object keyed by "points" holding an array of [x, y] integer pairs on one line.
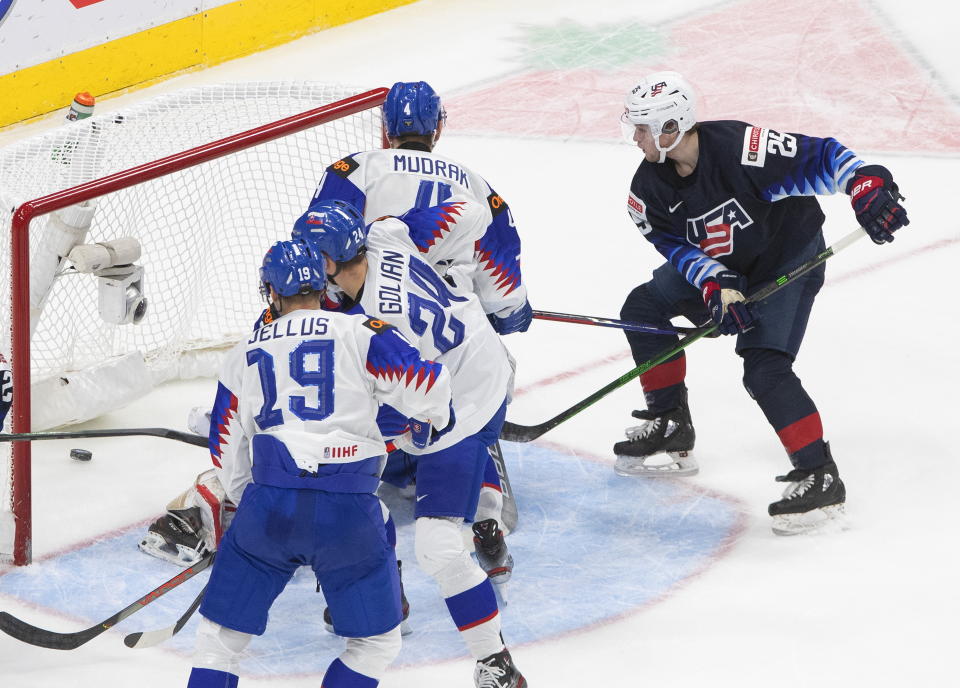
{"points": [[290, 268], [334, 228], [412, 108]]}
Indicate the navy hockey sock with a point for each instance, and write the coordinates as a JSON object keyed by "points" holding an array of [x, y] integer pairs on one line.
{"points": [[211, 678], [769, 378], [663, 386]]}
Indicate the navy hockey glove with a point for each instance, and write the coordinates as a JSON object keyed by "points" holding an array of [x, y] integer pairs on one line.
{"points": [[518, 321], [876, 201], [423, 434], [723, 295]]}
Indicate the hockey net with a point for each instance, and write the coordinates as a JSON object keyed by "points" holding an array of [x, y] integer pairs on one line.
{"points": [[205, 179]]}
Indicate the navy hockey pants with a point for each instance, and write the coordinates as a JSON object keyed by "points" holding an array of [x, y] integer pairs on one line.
{"points": [[768, 351]]}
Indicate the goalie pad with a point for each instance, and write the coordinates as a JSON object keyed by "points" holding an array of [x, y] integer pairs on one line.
{"points": [[194, 523]]}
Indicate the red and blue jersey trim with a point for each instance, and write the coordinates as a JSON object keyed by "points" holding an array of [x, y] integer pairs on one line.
{"points": [[390, 357], [426, 225], [223, 413]]}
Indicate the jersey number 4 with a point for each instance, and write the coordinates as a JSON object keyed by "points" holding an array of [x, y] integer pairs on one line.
{"points": [[425, 194], [319, 376]]}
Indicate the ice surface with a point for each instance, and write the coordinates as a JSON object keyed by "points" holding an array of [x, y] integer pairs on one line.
{"points": [[874, 605]]}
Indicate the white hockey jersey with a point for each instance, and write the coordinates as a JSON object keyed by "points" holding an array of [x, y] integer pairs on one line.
{"points": [[392, 181], [296, 404], [444, 322]]}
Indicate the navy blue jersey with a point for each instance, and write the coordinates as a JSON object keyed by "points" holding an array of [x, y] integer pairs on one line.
{"points": [[748, 206]]}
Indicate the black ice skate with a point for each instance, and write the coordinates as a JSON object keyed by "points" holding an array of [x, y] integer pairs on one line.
{"points": [[404, 607], [812, 499], [491, 550], [176, 537], [498, 671], [662, 446]]}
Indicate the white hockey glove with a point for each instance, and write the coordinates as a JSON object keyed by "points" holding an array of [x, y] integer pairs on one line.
{"points": [[198, 421]]}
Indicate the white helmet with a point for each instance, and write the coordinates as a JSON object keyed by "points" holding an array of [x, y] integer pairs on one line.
{"points": [[664, 102]]}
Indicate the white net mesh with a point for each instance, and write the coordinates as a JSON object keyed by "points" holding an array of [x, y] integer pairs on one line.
{"points": [[203, 231]]}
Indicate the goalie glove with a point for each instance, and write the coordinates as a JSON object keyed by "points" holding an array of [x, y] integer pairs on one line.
{"points": [[723, 295], [875, 198]]}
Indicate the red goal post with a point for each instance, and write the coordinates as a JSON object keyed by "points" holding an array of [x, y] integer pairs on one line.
{"points": [[20, 304]]}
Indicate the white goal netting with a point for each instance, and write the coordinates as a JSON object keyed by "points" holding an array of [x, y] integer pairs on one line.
{"points": [[203, 232]]}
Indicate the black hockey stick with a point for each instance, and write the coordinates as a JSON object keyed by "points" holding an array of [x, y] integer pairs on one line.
{"points": [[40, 637], [142, 639], [610, 322], [512, 432], [166, 433]]}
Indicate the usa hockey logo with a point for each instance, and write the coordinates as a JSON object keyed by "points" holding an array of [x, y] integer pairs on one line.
{"points": [[713, 231], [656, 89]]}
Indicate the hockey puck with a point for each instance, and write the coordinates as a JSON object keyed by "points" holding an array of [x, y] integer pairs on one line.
{"points": [[81, 454]]}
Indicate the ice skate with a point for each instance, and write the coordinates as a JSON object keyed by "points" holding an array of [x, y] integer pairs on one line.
{"points": [[498, 671], [175, 537], [405, 628], [661, 447], [813, 500], [491, 551]]}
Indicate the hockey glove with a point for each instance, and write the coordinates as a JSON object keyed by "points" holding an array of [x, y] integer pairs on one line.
{"points": [[876, 198], [517, 321], [423, 434], [723, 295]]}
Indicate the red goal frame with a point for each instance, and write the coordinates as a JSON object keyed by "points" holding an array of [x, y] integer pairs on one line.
{"points": [[21, 501]]}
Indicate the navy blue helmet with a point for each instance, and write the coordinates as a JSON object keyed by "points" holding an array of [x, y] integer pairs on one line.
{"points": [[412, 108], [334, 228], [290, 268]]}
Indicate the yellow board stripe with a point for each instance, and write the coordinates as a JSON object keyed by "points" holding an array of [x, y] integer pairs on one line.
{"points": [[198, 41]]}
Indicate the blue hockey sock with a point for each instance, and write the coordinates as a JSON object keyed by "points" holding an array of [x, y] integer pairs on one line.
{"points": [[339, 675], [211, 678], [473, 607]]}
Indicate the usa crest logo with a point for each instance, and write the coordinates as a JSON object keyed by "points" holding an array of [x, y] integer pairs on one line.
{"points": [[714, 231]]}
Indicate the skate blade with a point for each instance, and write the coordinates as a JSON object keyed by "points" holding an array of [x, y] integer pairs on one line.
{"points": [[680, 464], [828, 519]]}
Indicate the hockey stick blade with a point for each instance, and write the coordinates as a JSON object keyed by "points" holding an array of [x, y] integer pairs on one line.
{"points": [[165, 433], [143, 639], [53, 640], [512, 432]]}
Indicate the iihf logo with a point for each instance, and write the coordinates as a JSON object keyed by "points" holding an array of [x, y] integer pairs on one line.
{"points": [[713, 231]]}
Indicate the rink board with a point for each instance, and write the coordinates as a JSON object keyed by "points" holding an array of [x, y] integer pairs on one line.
{"points": [[590, 547]]}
